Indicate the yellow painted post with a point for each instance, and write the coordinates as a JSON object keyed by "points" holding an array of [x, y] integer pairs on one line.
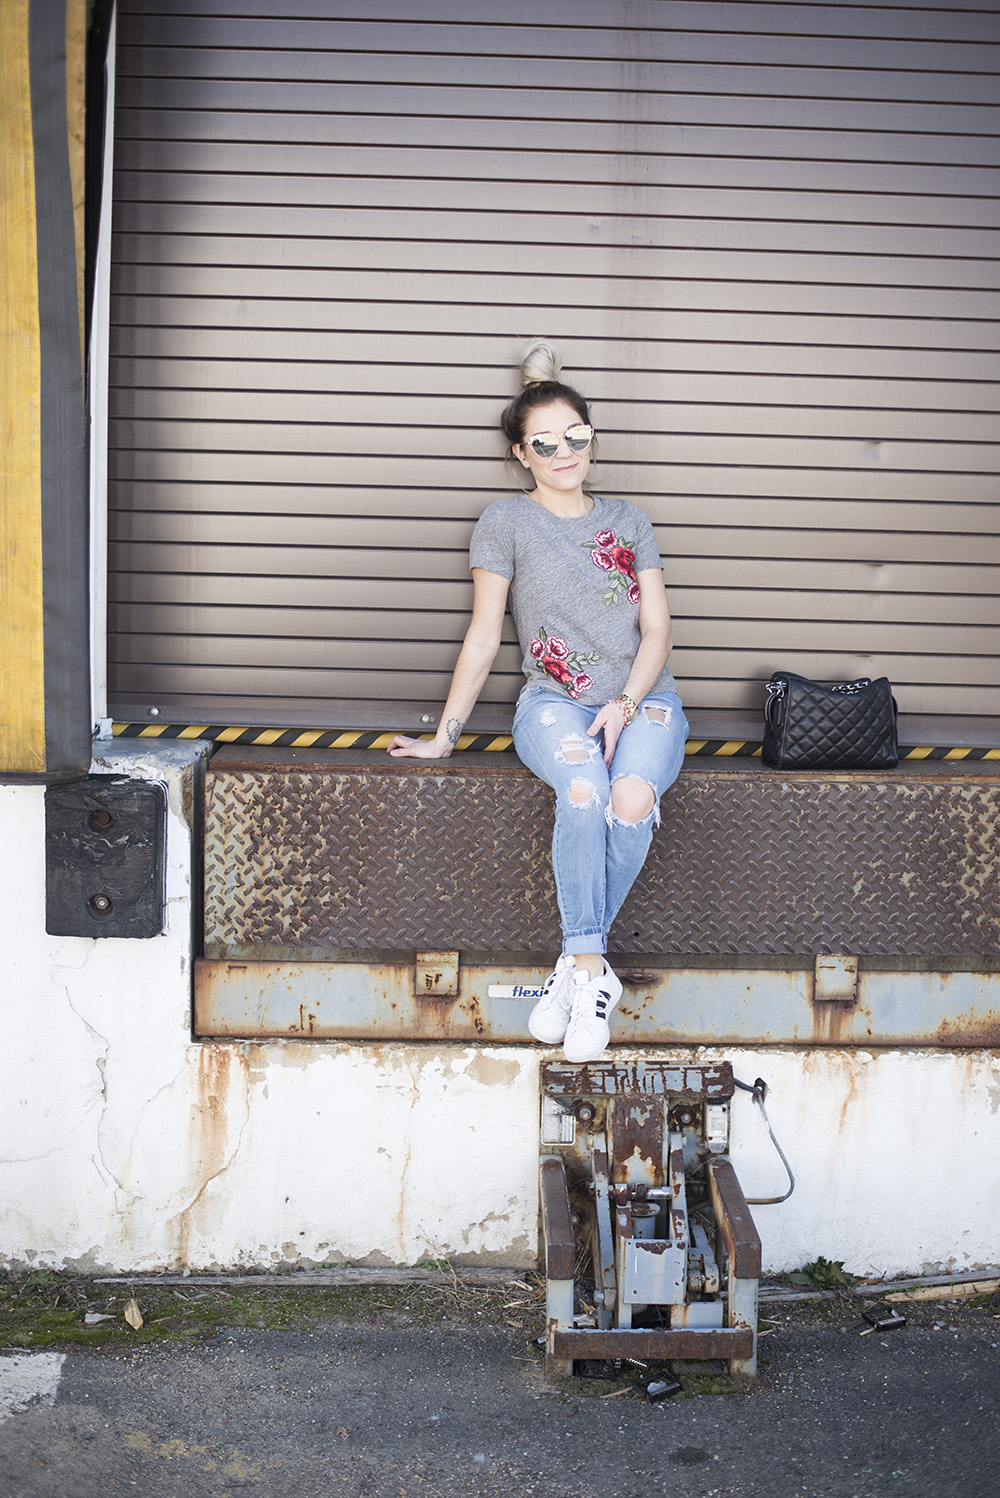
{"points": [[22, 678]]}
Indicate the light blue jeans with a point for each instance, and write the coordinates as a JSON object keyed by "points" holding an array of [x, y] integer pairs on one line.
{"points": [[596, 857]]}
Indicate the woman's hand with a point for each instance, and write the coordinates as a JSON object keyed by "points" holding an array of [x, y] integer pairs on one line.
{"points": [[478, 652], [402, 747], [610, 720]]}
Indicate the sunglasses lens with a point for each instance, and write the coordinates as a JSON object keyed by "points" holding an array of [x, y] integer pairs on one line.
{"points": [[546, 444]]}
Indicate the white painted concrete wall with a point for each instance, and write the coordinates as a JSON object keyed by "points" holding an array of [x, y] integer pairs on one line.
{"points": [[128, 1146]]}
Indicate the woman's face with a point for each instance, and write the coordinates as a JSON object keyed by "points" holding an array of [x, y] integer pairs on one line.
{"points": [[566, 470]]}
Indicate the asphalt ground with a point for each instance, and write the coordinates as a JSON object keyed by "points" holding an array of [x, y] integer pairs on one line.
{"points": [[376, 1400]]}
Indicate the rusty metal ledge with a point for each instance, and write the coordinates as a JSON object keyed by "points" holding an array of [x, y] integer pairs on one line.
{"points": [[670, 1007]]}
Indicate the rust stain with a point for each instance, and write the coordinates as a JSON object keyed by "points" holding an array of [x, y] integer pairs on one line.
{"points": [[475, 1015], [637, 1131], [975, 1030], [211, 1125], [832, 1022]]}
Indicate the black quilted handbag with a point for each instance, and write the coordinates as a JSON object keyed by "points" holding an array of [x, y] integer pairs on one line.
{"points": [[808, 726]]}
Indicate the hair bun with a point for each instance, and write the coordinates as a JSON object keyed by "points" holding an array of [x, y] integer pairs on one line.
{"points": [[540, 363]]}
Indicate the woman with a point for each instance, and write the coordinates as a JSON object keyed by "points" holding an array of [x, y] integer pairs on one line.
{"points": [[599, 719]]}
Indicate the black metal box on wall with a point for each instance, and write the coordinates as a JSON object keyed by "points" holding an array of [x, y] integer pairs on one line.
{"points": [[105, 857]]}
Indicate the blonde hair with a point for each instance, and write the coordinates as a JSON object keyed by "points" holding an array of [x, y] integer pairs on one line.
{"points": [[540, 386], [540, 363]]}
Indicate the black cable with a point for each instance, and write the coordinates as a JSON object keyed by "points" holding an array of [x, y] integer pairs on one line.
{"points": [[759, 1090]]}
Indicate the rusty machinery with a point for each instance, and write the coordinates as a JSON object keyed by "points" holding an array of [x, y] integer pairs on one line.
{"points": [[640, 1198]]}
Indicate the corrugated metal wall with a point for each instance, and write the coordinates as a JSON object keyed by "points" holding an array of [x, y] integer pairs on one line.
{"points": [[765, 237]]}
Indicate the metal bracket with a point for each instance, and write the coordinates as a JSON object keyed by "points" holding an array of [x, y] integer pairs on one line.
{"points": [[105, 857], [436, 975], [836, 979]]}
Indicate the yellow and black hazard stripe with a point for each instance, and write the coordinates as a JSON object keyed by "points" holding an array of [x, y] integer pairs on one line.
{"points": [[350, 738]]}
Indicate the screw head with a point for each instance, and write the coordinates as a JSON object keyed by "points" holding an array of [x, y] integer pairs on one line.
{"points": [[101, 904]]}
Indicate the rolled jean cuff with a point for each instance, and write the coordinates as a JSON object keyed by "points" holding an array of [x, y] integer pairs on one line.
{"points": [[589, 941]]}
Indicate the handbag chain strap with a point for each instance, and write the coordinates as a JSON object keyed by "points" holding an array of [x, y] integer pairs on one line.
{"points": [[776, 688]]}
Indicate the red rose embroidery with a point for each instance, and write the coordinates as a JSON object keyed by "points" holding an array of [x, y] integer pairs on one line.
{"points": [[616, 557], [558, 670], [625, 560], [553, 656]]}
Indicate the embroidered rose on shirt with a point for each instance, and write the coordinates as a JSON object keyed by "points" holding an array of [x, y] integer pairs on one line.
{"points": [[617, 558], [553, 656]]}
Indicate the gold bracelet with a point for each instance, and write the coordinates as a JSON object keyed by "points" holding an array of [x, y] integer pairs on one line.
{"points": [[628, 706]]}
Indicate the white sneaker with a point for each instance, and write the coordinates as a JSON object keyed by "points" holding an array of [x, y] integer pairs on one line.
{"points": [[550, 1016], [588, 1032]]}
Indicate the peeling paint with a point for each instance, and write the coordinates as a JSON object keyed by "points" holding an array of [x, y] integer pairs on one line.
{"points": [[491, 1070]]}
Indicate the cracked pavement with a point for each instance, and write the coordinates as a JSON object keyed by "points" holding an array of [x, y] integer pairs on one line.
{"points": [[370, 1408]]}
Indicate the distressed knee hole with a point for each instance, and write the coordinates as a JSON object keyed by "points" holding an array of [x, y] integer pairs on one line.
{"points": [[655, 714], [632, 801], [583, 793], [574, 749]]}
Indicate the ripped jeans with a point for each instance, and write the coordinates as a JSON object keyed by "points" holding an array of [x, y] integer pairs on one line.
{"points": [[596, 856]]}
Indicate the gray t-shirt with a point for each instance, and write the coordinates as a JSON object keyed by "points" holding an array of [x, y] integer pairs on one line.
{"points": [[573, 591]]}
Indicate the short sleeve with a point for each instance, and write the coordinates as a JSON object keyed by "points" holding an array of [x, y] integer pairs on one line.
{"points": [[492, 545], [647, 553]]}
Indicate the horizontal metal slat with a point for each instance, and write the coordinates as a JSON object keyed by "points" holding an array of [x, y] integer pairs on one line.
{"points": [[925, 20], [316, 697], [883, 472], [249, 621], [463, 159], [430, 532], [520, 133], [458, 349], [289, 660], [707, 510], [662, 290], [698, 74], [821, 274], [790, 610], [474, 40], [626, 322], [500, 193], [682, 106], [172, 382], [143, 397], [359, 440], [477, 220]]}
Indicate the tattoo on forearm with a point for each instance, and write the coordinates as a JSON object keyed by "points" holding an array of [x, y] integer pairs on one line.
{"points": [[452, 730]]}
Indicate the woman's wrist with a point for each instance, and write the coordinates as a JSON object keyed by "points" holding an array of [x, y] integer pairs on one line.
{"points": [[626, 705]]}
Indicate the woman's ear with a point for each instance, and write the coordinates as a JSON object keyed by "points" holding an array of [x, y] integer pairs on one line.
{"points": [[516, 450]]}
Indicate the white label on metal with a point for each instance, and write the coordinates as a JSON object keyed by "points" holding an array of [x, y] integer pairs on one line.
{"points": [[717, 1127], [558, 1123], [513, 991]]}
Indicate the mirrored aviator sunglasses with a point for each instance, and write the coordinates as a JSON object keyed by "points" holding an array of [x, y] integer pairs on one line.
{"points": [[546, 444]]}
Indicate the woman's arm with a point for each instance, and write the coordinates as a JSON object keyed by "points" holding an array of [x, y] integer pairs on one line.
{"points": [[479, 650], [650, 659]]}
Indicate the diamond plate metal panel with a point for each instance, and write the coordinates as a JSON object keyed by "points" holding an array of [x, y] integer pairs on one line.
{"points": [[316, 856]]}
